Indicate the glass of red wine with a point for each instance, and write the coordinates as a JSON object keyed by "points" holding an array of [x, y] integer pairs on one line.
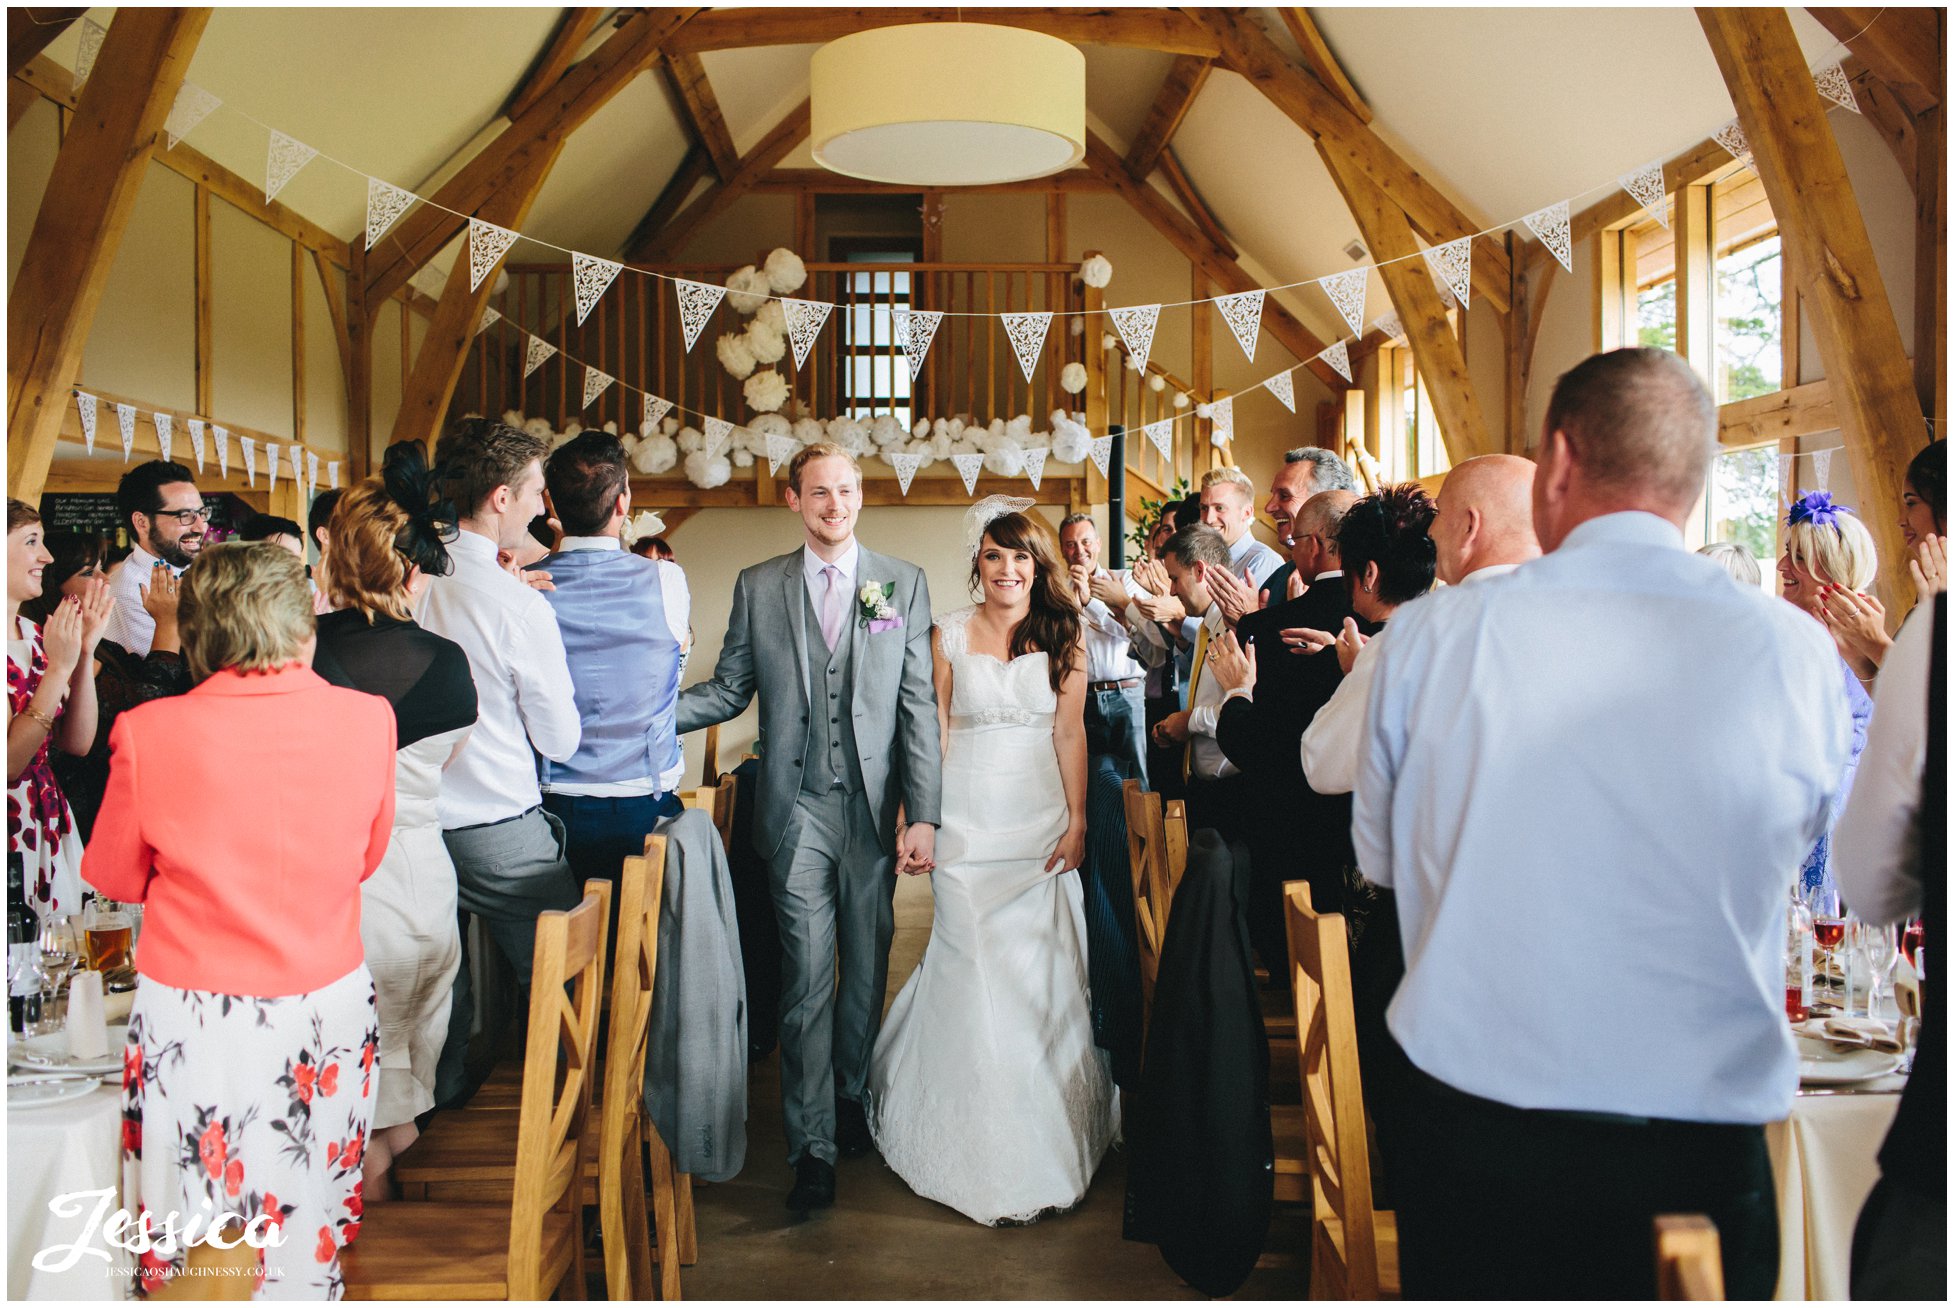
{"points": [[1828, 920]]}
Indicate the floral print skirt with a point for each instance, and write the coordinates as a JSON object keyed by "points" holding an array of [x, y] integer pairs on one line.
{"points": [[251, 1108]]}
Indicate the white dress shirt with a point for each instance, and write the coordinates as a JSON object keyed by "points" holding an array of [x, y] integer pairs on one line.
{"points": [[1332, 741], [1204, 707], [677, 596], [1591, 785], [130, 625], [525, 702], [1258, 559], [813, 565], [1875, 849], [1108, 643]]}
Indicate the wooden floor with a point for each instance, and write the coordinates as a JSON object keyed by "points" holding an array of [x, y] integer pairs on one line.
{"points": [[880, 1241]]}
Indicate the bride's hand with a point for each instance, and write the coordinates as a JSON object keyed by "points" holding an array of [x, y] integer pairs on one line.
{"points": [[1071, 851]]}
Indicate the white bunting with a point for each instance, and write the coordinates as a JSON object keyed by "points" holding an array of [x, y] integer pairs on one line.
{"points": [[271, 466], [1027, 333], [490, 317], [594, 383], [87, 403], [384, 205], [1338, 357], [779, 450], [332, 473], [92, 33], [1834, 85], [1243, 314], [655, 411], [223, 435], [1822, 462], [311, 474], [968, 466], [125, 419], [193, 104], [719, 433], [165, 425], [283, 159], [918, 330], [1162, 435], [1347, 291], [1223, 415], [696, 301], [1389, 324], [1552, 227], [1645, 186], [197, 441], [1283, 387], [1451, 265], [250, 449], [1136, 326], [804, 321], [1101, 454], [1731, 137], [487, 243], [592, 277], [905, 465], [1034, 465], [539, 353]]}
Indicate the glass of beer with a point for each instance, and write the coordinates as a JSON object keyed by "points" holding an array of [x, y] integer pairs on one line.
{"points": [[108, 934]]}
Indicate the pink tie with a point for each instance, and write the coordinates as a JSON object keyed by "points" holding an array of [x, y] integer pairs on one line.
{"points": [[831, 607]]}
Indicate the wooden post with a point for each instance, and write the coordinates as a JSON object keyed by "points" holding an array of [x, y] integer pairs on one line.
{"points": [[298, 343], [1096, 377], [1054, 227], [359, 370], [1798, 160], [1930, 262], [1193, 436], [201, 275], [1696, 322], [1613, 264], [89, 198]]}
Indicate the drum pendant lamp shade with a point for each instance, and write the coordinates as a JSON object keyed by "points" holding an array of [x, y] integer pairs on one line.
{"points": [[948, 104]]}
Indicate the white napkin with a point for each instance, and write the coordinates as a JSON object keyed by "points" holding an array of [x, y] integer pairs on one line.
{"points": [[1864, 1032], [88, 1031]]}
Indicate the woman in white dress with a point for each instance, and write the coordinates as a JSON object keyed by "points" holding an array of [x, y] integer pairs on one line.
{"points": [[986, 1092]]}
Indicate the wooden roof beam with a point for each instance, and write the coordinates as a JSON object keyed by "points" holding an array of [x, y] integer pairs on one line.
{"points": [[538, 131], [1151, 29], [89, 198], [1247, 49], [31, 30], [1185, 79], [572, 30], [1826, 247], [686, 75], [650, 244], [1316, 53], [1904, 47]]}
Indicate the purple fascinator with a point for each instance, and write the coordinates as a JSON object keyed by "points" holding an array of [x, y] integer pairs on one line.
{"points": [[1815, 507]]}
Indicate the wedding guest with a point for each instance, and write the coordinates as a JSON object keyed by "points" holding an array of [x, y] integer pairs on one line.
{"points": [[1306, 471], [1600, 649], [282, 532], [1826, 547], [507, 850], [1228, 505], [1734, 559], [624, 620], [1215, 793], [50, 702], [388, 548], [247, 1082], [168, 520], [1854, 615], [1142, 606], [1892, 862], [656, 548], [318, 526]]}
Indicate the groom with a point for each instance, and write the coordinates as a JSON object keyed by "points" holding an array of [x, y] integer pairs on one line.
{"points": [[836, 640]]}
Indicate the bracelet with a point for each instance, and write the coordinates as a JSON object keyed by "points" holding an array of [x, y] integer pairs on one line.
{"points": [[46, 721]]}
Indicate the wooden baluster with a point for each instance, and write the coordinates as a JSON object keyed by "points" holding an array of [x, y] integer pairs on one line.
{"points": [[562, 358]]}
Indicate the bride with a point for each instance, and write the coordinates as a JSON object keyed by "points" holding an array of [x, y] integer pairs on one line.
{"points": [[985, 1091]]}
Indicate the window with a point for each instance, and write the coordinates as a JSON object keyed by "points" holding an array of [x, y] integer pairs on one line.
{"points": [[1748, 290], [875, 369], [1413, 444], [1654, 259], [1742, 504]]}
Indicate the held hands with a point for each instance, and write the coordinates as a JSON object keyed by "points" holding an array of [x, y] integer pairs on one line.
{"points": [[1348, 644], [1230, 664], [1071, 851], [1857, 622], [916, 849], [1235, 596], [1171, 730], [1929, 567]]}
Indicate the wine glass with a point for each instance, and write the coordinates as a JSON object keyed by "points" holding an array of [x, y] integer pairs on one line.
{"points": [[1882, 955], [1828, 919]]}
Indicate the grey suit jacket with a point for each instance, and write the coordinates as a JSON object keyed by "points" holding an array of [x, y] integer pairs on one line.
{"points": [[893, 695]]}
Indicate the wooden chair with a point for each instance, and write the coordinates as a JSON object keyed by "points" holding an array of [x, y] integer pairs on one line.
{"points": [[719, 800], [532, 1246], [1353, 1247], [1688, 1257], [1156, 846]]}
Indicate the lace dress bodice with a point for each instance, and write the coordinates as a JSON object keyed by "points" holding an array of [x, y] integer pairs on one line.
{"points": [[986, 690]]}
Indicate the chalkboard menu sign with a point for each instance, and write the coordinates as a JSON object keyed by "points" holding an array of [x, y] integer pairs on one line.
{"points": [[97, 513]]}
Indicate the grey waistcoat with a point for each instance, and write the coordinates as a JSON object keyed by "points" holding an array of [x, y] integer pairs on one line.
{"points": [[831, 753]]}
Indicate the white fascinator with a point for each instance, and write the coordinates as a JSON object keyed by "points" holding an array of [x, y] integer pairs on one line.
{"points": [[984, 512]]}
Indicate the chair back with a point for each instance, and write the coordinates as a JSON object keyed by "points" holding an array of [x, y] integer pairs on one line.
{"points": [[718, 800], [1156, 847], [620, 1169], [1333, 1094], [552, 1135], [1688, 1257]]}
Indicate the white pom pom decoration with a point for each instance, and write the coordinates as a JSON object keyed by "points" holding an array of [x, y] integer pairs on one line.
{"points": [[764, 341], [886, 432], [691, 440], [1097, 271], [747, 290], [706, 473], [1107, 341], [785, 272], [734, 356], [1134, 363], [1019, 428], [773, 316], [1072, 379], [1070, 441], [742, 458], [511, 418], [1156, 383], [807, 431], [538, 429], [1182, 400], [1075, 325], [655, 455], [768, 424], [1005, 459], [1204, 410], [765, 391], [670, 427]]}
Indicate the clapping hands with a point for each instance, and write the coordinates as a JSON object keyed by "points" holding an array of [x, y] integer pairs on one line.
{"points": [[1857, 622], [1348, 643], [1230, 664], [1235, 596], [1928, 567]]}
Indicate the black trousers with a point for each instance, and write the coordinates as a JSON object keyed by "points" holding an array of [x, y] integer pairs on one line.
{"points": [[1511, 1203]]}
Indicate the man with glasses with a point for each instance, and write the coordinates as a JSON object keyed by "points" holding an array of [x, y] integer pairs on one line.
{"points": [[167, 519]]}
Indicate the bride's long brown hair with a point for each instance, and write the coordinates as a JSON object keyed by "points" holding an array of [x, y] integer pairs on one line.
{"points": [[1052, 625]]}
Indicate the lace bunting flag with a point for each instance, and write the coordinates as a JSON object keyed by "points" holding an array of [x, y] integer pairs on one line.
{"points": [[271, 466], [1389, 324], [92, 33], [696, 301], [193, 104], [1034, 465], [283, 159], [86, 404], [1283, 387], [1348, 291], [805, 319], [1552, 227], [1027, 333], [332, 473], [1101, 454], [1731, 137], [1834, 85], [592, 277], [538, 354], [125, 421], [719, 433], [197, 441], [968, 466], [1243, 314], [594, 383], [779, 450], [1451, 265], [490, 317], [1338, 357], [1136, 326], [905, 465], [918, 330], [223, 435], [311, 474], [250, 448], [165, 426], [1822, 463], [487, 243], [655, 411], [1223, 415], [1162, 435], [1645, 186], [384, 205]]}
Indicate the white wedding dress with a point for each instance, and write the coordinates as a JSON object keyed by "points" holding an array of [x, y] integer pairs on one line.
{"points": [[985, 1091]]}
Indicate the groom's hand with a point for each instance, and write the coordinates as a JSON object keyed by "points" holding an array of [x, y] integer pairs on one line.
{"points": [[916, 849]]}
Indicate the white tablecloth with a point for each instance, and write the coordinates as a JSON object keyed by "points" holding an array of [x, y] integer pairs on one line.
{"points": [[55, 1150]]}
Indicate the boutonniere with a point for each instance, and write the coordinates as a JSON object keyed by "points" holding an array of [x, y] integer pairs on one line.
{"points": [[877, 612]]}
